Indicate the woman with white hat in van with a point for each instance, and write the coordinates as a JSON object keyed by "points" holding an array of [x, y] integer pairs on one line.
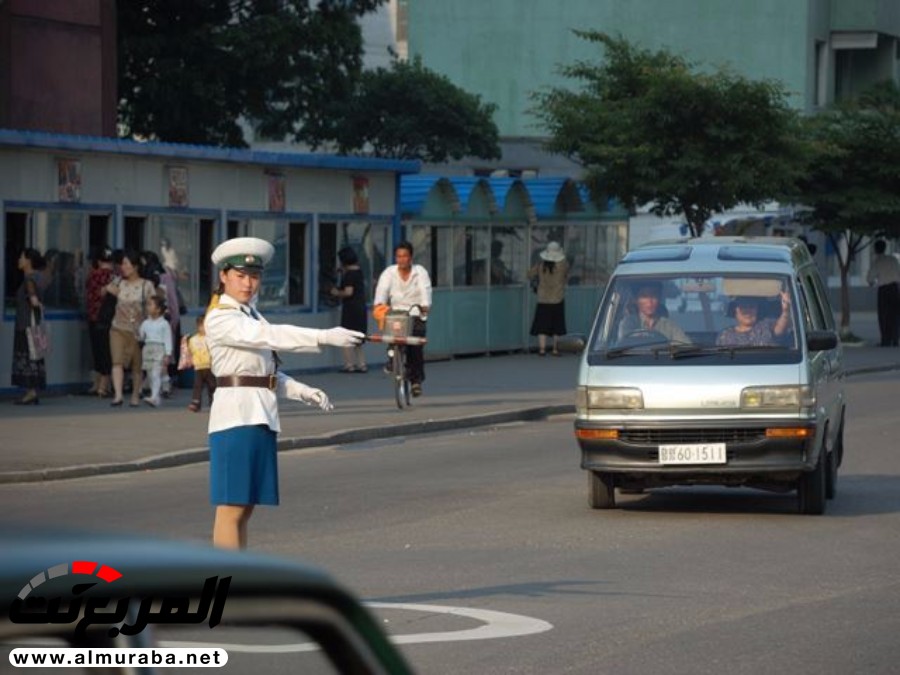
{"points": [[552, 273], [243, 420]]}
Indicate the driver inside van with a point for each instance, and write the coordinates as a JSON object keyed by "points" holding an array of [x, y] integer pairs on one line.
{"points": [[751, 331], [649, 317]]}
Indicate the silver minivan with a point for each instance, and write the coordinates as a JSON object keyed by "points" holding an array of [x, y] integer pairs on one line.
{"points": [[713, 361]]}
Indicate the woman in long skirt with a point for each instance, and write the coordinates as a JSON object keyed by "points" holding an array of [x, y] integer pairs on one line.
{"points": [[26, 373]]}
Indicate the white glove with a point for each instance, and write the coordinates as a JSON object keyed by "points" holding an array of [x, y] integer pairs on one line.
{"points": [[340, 337], [316, 397]]}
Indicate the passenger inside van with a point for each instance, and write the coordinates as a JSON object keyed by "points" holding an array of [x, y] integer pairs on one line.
{"points": [[648, 315], [750, 328]]}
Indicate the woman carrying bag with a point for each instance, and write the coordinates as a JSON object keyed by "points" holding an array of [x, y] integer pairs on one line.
{"points": [[132, 292], [27, 372]]}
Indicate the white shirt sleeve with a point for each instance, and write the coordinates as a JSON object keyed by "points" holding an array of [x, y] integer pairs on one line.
{"points": [[383, 288], [424, 286], [230, 327]]}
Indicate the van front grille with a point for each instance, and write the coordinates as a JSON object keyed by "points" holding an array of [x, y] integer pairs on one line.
{"points": [[666, 436]]}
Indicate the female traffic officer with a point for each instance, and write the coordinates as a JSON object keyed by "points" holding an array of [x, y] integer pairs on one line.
{"points": [[243, 420]]}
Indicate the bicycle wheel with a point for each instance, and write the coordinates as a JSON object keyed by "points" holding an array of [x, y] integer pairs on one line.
{"points": [[398, 374]]}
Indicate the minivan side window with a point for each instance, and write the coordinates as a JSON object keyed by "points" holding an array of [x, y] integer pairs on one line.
{"points": [[822, 297], [813, 314]]}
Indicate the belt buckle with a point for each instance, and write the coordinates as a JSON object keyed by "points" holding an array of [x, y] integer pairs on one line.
{"points": [[273, 382]]}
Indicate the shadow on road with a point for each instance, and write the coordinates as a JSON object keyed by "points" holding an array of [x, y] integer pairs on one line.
{"points": [[857, 495]]}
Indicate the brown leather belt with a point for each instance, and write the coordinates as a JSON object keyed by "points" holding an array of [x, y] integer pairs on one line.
{"points": [[265, 381]]}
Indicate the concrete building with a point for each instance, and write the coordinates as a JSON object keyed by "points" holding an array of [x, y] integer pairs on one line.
{"points": [[820, 50], [58, 66], [64, 195]]}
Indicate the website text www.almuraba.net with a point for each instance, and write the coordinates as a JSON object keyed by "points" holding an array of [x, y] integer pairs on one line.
{"points": [[67, 657]]}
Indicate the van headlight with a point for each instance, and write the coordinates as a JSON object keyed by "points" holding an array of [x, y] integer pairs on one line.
{"points": [[771, 398], [608, 398]]}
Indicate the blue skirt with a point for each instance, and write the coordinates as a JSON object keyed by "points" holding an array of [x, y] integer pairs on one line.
{"points": [[243, 467]]}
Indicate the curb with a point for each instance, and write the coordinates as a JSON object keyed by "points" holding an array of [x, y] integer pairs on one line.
{"points": [[198, 455]]}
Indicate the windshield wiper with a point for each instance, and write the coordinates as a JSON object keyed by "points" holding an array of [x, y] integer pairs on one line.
{"points": [[655, 348], [699, 350]]}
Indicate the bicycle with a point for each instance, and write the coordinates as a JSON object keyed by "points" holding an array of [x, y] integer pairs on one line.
{"points": [[397, 333]]}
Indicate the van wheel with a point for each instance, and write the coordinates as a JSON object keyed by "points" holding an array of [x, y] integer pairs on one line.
{"points": [[601, 490], [811, 488]]}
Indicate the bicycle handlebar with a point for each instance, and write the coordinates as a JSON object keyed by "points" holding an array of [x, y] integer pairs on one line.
{"points": [[412, 340]]}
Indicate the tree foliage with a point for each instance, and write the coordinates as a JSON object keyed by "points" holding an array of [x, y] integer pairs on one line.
{"points": [[408, 111], [852, 183], [190, 69], [650, 130]]}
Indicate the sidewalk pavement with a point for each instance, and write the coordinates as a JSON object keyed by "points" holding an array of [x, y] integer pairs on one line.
{"points": [[73, 436]]}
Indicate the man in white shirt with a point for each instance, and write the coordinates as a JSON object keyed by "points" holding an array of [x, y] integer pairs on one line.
{"points": [[885, 272], [401, 286]]}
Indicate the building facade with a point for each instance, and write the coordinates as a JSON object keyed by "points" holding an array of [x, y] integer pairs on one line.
{"points": [[506, 50], [66, 195]]}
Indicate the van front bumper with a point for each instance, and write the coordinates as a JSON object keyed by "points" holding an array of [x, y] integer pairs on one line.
{"points": [[752, 451]]}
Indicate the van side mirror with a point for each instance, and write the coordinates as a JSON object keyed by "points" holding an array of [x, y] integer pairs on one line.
{"points": [[821, 340]]}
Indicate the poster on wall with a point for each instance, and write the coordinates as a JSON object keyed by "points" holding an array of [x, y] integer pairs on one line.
{"points": [[178, 186], [360, 194], [276, 191], [68, 181]]}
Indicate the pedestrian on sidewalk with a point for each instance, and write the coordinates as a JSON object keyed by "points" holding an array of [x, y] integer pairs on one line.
{"points": [[132, 292], [156, 352], [243, 420], [351, 289], [98, 329], [196, 353], [552, 273], [885, 273], [28, 374]]}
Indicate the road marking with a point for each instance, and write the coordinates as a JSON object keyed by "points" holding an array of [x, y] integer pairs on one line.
{"points": [[495, 625]]}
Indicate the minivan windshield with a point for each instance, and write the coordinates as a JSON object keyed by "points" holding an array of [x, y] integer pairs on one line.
{"points": [[746, 317]]}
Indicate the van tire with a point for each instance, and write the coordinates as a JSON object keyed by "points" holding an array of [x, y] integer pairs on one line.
{"points": [[811, 488], [601, 490]]}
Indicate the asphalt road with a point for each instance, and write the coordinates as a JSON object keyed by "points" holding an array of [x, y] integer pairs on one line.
{"points": [[703, 580]]}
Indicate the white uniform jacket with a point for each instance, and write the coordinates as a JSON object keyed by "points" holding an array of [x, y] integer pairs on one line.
{"points": [[242, 345]]}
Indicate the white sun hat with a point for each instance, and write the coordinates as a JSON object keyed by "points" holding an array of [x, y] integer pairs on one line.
{"points": [[553, 253]]}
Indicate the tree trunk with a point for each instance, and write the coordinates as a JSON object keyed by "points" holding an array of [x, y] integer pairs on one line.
{"points": [[845, 295]]}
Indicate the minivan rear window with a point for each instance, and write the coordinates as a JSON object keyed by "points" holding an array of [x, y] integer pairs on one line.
{"points": [[674, 319]]}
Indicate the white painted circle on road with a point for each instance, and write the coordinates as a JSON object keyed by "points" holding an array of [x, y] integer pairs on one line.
{"points": [[494, 625]]}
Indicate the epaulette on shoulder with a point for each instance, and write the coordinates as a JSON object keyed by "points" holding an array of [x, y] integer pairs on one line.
{"points": [[219, 306]]}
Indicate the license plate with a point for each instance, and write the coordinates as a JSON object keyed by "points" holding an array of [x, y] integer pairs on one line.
{"points": [[692, 453]]}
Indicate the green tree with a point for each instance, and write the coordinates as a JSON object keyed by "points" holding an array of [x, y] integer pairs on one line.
{"points": [[852, 185], [189, 70], [649, 129], [408, 111]]}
